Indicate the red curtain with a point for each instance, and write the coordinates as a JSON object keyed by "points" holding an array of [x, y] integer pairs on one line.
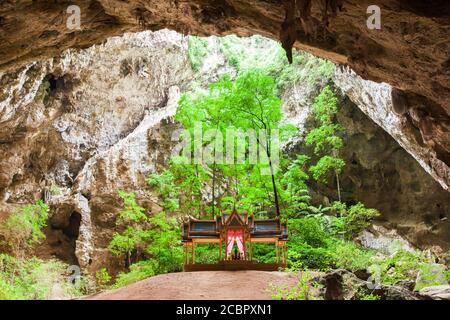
{"points": [[238, 237]]}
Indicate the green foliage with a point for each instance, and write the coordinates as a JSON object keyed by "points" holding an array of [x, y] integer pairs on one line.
{"points": [[430, 274], [348, 255], [304, 290], [126, 241], [158, 237], [406, 265], [325, 165], [369, 296], [268, 57], [314, 242], [23, 227], [131, 211], [31, 279], [353, 219], [309, 231], [42, 91], [133, 219], [264, 252], [325, 138], [250, 102], [103, 278], [167, 189], [307, 243], [197, 51], [294, 181], [245, 53], [307, 256], [325, 106], [207, 253], [138, 271], [165, 245]]}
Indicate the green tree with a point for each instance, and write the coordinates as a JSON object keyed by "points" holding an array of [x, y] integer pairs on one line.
{"points": [[296, 192], [249, 102], [155, 239], [167, 189], [325, 138], [133, 220], [165, 244]]}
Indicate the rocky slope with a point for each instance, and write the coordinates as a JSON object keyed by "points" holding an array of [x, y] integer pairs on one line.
{"points": [[410, 52], [77, 128]]}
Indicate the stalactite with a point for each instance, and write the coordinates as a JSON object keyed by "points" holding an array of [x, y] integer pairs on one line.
{"points": [[288, 32], [301, 10]]}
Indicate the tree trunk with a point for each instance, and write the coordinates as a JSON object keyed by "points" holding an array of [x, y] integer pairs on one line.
{"points": [[274, 185], [213, 190], [275, 192], [200, 209], [338, 187]]}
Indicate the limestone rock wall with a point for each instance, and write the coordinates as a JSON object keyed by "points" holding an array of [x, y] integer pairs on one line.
{"points": [[77, 128]]}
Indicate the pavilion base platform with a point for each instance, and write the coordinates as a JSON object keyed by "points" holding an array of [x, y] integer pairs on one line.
{"points": [[234, 266]]}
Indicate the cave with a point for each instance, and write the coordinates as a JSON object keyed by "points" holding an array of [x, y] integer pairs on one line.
{"points": [[115, 88], [73, 229]]}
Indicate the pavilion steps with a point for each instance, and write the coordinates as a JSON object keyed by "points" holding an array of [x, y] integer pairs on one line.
{"points": [[233, 266]]}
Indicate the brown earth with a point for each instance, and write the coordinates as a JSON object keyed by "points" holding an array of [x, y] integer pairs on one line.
{"points": [[203, 285]]}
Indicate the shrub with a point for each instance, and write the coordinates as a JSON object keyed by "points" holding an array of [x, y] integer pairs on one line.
{"points": [[103, 278], [352, 220], [135, 236], [264, 252], [405, 265], [325, 165], [207, 253], [369, 296], [32, 279], [23, 227], [138, 271], [430, 274], [348, 255], [165, 244], [165, 185], [158, 237], [308, 230], [302, 291], [315, 258]]}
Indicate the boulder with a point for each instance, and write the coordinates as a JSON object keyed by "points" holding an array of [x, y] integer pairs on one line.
{"points": [[342, 284], [436, 292]]}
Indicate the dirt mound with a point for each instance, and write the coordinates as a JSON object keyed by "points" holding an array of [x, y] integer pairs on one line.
{"points": [[204, 285]]}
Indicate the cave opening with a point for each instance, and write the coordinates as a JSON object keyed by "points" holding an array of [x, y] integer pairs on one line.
{"points": [[54, 82], [73, 228]]}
